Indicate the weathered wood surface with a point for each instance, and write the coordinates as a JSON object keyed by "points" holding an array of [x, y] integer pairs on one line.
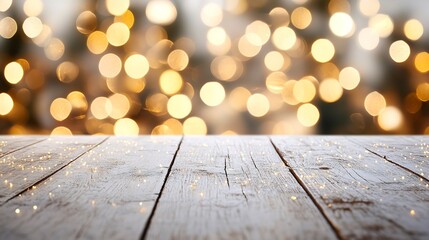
{"points": [[10, 144], [410, 152], [234, 188], [106, 194], [32, 164], [214, 187], [365, 196]]}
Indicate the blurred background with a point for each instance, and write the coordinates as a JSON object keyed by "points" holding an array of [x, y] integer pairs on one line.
{"points": [[214, 67]]}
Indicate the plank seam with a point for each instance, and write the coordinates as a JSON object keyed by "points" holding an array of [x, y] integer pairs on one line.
{"points": [[31, 144], [307, 191], [388, 160], [52, 173], [397, 164], [152, 214]]}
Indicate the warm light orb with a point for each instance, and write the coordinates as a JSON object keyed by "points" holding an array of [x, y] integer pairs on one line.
{"points": [[127, 18], [117, 7], [13, 72], [60, 109], [120, 105], [162, 12], [237, 99], [342, 25], [136, 66], [33, 8], [178, 60], [179, 106], [422, 92], [301, 17], [110, 65], [284, 38], [212, 93], [86, 22], [369, 7], [55, 49], [390, 118], [374, 103], [368, 39], [67, 72], [97, 42], [32, 27], [258, 33], [8, 27], [170, 82], [308, 115], [399, 51], [275, 82], [258, 105], [274, 61], [126, 127], [413, 29], [61, 131], [382, 24], [101, 107], [421, 61], [5, 5], [6, 104], [211, 14], [322, 50], [194, 126], [330, 90], [247, 48], [349, 78], [78, 101], [118, 34], [304, 90]]}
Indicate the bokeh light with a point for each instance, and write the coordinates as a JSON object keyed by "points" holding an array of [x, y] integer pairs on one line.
{"points": [[390, 118], [161, 12], [13, 72], [166, 67], [110, 65], [399, 51], [6, 103], [212, 93], [8, 27], [179, 106], [258, 105], [341, 24], [374, 103], [136, 66], [170, 82], [322, 50], [194, 126], [126, 127], [60, 109], [308, 114]]}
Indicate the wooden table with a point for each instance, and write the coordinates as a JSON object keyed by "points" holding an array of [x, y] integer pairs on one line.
{"points": [[214, 187]]}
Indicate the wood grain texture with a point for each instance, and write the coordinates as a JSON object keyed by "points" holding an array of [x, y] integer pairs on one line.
{"points": [[365, 196], [234, 188], [24, 168], [411, 152], [107, 193], [10, 144]]}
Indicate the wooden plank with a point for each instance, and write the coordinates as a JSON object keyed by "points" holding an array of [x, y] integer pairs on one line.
{"points": [[10, 144], [234, 188], [106, 194], [24, 168], [410, 152], [365, 196]]}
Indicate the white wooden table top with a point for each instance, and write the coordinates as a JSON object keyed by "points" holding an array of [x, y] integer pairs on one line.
{"points": [[214, 187]]}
